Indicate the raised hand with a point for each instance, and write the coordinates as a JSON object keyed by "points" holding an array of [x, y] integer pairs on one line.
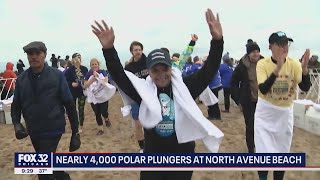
{"points": [[305, 61], [104, 34], [280, 62], [214, 25], [194, 37]]}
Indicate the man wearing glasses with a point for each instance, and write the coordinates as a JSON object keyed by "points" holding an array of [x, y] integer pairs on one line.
{"points": [[278, 77]]}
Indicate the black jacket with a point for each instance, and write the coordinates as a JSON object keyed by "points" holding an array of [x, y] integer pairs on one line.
{"points": [[20, 66], [138, 68], [41, 98], [240, 88], [72, 77]]}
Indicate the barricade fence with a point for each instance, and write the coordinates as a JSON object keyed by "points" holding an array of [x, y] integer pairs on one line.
{"points": [[5, 86]]}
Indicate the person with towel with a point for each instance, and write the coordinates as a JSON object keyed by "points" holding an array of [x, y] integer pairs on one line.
{"points": [[278, 77], [168, 111], [100, 108]]}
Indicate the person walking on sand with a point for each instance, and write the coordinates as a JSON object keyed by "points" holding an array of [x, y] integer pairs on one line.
{"points": [[75, 78], [278, 77], [162, 92], [244, 89], [100, 107], [42, 96], [137, 65], [226, 70]]}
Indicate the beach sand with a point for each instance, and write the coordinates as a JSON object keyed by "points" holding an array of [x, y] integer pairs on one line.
{"points": [[120, 138]]}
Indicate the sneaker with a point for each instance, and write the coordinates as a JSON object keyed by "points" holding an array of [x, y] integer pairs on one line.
{"points": [[108, 123], [100, 132], [213, 118], [141, 151]]}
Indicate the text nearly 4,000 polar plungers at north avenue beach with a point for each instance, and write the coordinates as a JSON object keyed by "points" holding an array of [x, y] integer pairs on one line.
{"points": [[167, 159]]}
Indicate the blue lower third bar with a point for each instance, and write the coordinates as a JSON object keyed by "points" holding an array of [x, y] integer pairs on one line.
{"points": [[141, 160]]}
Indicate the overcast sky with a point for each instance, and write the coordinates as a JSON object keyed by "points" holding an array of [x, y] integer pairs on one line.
{"points": [[64, 26]]}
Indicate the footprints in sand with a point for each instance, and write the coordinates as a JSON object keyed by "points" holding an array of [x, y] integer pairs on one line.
{"points": [[100, 143]]}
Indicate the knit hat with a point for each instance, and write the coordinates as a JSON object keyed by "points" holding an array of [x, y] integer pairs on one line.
{"points": [[226, 57], [252, 47]]}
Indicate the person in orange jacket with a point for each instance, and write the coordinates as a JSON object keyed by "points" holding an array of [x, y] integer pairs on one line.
{"points": [[9, 85]]}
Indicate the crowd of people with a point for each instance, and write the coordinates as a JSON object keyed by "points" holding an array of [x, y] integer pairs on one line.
{"points": [[161, 91]]}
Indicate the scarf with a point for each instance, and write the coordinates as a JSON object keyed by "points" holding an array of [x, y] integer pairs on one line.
{"points": [[252, 77]]}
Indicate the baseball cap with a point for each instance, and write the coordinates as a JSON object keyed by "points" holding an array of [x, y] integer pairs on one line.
{"points": [[176, 55], [279, 37], [35, 46], [158, 56], [75, 55]]}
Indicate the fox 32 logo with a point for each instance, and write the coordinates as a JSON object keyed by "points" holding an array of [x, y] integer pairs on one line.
{"points": [[32, 159]]}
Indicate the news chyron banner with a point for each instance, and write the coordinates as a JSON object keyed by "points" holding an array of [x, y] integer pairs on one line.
{"points": [[46, 163]]}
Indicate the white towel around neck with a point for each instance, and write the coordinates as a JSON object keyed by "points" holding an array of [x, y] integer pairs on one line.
{"points": [[190, 124]]}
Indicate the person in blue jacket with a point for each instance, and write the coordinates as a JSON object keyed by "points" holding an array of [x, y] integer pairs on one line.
{"points": [[215, 86], [196, 66], [226, 70], [186, 68]]}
